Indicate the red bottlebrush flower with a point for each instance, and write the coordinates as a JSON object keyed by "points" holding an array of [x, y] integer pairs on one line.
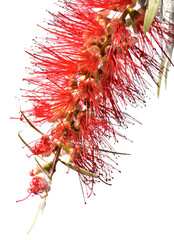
{"points": [[69, 32], [38, 186], [50, 102], [93, 130], [90, 66], [88, 56], [42, 110], [160, 34], [116, 5], [123, 74], [94, 164]]}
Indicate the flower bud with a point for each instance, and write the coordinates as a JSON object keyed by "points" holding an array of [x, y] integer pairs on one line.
{"points": [[94, 50]]}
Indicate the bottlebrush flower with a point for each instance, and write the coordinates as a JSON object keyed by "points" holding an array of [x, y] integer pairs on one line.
{"points": [[98, 166], [89, 68], [116, 5]]}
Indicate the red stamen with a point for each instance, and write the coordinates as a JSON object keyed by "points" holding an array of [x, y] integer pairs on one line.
{"points": [[24, 198]]}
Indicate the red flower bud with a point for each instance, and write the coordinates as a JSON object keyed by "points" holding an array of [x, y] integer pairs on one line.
{"points": [[38, 186]]}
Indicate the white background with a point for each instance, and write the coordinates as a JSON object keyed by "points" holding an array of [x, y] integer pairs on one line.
{"points": [[140, 203]]}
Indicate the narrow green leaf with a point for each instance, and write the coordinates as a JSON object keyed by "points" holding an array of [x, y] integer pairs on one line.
{"points": [[80, 170], [160, 75], [28, 121], [166, 73], [150, 13]]}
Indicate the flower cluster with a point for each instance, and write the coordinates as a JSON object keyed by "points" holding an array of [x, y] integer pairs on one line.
{"points": [[89, 68]]}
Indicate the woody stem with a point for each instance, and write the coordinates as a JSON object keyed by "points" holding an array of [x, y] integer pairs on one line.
{"points": [[55, 160]]}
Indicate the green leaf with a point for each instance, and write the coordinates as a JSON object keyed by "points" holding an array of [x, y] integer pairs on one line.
{"points": [[167, 62], [150, 13], [161, 72], [166, 73], [80, 170], [165, 65]]}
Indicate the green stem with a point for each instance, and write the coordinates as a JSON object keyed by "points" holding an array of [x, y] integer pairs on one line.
{"points": [[132, 13]]}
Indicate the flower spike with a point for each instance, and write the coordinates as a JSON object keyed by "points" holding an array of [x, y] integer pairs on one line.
{"points": [[93, 63]]}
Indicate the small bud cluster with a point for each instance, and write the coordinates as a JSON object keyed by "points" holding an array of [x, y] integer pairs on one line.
{"points": [[39, 185], [85, 73]]}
